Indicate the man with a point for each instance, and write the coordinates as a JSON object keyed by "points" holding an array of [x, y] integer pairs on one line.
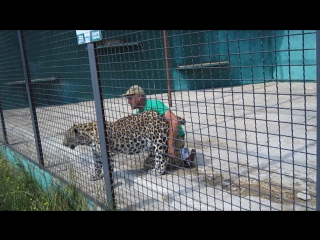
{"points": [[137, 100]]}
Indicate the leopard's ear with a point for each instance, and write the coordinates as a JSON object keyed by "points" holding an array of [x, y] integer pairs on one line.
{"points": [[75, 128]]}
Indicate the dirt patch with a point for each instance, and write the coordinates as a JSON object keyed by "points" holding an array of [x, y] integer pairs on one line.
{"points": [[270, 190]]}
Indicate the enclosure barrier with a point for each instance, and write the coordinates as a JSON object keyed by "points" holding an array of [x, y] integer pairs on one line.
{"points": [[248, 98]]}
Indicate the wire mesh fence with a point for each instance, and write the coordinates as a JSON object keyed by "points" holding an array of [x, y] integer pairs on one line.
{"points": [[248, 99]]}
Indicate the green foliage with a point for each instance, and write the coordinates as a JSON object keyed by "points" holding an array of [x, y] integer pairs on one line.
{"points": [[20, 191]]}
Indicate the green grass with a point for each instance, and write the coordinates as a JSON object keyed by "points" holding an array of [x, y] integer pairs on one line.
{"points": [[20, 191]]}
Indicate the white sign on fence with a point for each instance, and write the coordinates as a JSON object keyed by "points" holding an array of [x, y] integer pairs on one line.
{"points": [[87, 36]]}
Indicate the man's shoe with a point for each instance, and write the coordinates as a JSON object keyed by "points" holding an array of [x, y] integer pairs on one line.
{"points": [[189, 160]]}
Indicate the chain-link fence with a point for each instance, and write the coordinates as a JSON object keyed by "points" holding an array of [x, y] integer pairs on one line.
{"points": [[248, 98]]}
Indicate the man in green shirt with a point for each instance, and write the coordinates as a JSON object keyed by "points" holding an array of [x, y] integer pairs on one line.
{"points": [[137, 100]]}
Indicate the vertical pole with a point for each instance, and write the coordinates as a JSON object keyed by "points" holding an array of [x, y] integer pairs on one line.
{"points": [[318, 119], [3, 125], [98, 100], [167, 65], [32, 107]]}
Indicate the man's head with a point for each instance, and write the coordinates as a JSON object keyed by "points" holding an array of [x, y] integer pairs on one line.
{"points": [[136, 97]]}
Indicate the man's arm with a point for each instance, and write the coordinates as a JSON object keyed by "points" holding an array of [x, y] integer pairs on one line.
{"points": [[173, 130]]}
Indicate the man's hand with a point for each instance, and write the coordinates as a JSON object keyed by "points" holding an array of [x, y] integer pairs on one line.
{"points": [[171, 152]]}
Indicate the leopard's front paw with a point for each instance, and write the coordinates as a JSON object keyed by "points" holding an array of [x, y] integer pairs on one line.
{"points": [[155, 172]]}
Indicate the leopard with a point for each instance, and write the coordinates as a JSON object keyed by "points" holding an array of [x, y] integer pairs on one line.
{"points": [[132, 134]]}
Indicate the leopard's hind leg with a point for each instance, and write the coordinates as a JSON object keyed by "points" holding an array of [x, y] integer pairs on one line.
{"points": [[161, 160]]}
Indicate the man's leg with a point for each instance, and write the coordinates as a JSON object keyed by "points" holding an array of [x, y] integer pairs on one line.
{"points": [[178, 145], [177, 161]]}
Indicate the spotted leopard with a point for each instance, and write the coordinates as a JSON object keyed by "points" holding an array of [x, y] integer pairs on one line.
{"points": [[146, 131]]}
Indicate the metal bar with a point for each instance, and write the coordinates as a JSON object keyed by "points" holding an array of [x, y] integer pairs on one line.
{"points": [[3, 125], [119, 45], [38, 80], [167, 66], [98, 100], [201, 65], [33, 112], [318, 120]]}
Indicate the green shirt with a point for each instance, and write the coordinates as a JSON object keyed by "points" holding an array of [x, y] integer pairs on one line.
{"points": [[159, 107]]}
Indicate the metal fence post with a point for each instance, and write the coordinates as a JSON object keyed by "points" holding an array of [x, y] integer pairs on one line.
{"points": [[3, 125], [33, 112], [318, 119], [166, 53], [98, 100]]}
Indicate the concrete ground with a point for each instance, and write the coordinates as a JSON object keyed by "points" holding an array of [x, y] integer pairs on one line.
{"points": [[256, 150]]}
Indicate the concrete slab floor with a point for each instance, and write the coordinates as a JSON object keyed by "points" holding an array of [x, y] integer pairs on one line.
{"points": [[256, 149]]}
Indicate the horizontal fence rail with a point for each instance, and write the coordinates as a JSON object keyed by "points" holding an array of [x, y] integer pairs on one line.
{"points": [[245, 101]]}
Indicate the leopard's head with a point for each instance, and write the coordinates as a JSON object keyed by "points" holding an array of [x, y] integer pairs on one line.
{"points": [[76, 136]]}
